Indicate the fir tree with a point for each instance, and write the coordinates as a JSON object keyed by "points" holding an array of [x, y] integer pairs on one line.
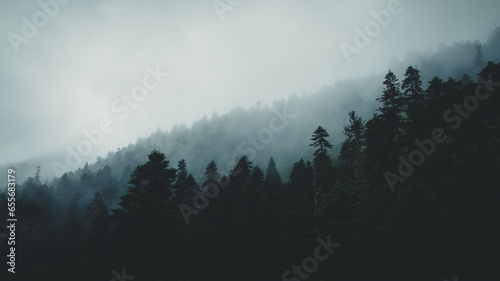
{"points": [[273, 178]]}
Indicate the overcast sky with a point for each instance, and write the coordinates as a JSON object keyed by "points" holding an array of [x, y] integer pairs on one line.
{"points": [[90, 54]]}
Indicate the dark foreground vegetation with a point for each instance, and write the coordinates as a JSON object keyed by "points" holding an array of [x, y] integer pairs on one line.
{"points": [[411, 194], [415, 196]]}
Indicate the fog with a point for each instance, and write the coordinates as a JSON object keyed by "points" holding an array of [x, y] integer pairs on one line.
{"points": [[88, 57], [230, 139]]}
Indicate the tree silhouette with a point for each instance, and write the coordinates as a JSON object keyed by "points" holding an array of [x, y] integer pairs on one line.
{"points": [[273, 178], [320, 142]]}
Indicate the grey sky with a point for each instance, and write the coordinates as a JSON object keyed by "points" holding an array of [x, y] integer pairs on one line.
{"points": [[67, 76]]}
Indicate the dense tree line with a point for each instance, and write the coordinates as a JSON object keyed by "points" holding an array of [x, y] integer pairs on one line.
{"points": [[216, 137], [412, 194]]}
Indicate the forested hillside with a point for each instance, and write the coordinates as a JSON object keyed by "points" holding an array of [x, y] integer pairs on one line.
{"points": [[410, 192], [223, 138]]}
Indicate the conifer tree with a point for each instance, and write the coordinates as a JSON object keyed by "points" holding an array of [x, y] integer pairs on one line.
{"points": [[352, 152], [98, 225], [212, 176], [147, 208], [393, 108], [72, 226], [320, 142], [323, 170], [184, 184], [273, 178]]}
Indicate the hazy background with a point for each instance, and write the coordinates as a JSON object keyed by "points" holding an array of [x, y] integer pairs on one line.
{"points": [[90, 53]]}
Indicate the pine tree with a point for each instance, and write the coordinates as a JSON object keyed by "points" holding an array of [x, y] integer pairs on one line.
{"points": [[412, 86], [211, 171], [323, 170], [296, 176], [106, 186], [339, 215], [386, 136], [273, 178], [393, 108], [320, 142], [183, 187], [352, 152], [98, 225], [37, 177], [212, 178], [236, 210], [72, 226], [479, 62], [262, 224], [182, 170], [413, 96], [352, 147], [147, 208]]}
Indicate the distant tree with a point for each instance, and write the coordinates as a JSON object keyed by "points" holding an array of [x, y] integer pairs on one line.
{"points": [[302, 176], [106, 186], [465, 80], [302, 188], [273, 178], [323, 169], [182, 170], [72, 226], [184, 184], [413, 96], [386, 135], [320, 142], [154, 176], [98, 225], [296, 176], [211, 172], [231, 212], [103, 177], [352, 152], [29, 189], [37, 177], [412, 86], [392, 111], [322, 163], [257, 179], [352, 147], [435, 88], [212, 177], [479, 62]]}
